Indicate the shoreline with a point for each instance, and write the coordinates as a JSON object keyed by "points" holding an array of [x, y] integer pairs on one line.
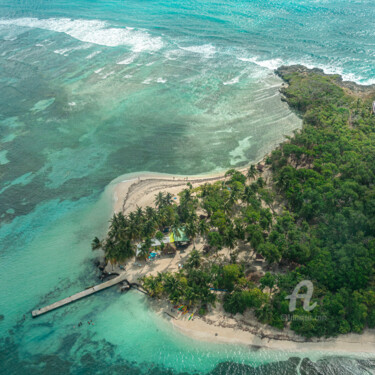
{"points": [[133, 189], [139, 190], [228, 330], [217, 326]]}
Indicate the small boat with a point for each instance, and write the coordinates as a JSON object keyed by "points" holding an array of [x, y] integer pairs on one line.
{"points": [[191, 316]]}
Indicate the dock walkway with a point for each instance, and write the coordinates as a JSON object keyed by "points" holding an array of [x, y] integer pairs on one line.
{"points": [[79, 295]]}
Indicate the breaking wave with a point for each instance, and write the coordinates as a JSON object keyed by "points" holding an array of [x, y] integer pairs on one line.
{"points": [[93, 31]]}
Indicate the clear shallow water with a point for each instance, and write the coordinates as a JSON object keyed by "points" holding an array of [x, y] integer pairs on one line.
{"points": [[93, 90]]}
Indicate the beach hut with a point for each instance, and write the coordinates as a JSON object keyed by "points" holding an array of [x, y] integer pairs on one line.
{"points": [[260, 167], [180, 238], [259, 258]]}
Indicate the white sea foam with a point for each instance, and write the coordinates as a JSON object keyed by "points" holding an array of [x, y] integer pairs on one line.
{"points": [[331, 69], [232, 81], [370, 81], [93, 54], [67, 51], [105, 76], [161, 80], [128, 60], [93, 31], [147, 81], [208, 50], [63, 51], [271, 64]]}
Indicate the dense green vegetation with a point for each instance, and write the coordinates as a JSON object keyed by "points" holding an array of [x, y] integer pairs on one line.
{"points": [[311, 215]]}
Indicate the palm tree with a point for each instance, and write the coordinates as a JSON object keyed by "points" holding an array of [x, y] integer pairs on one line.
{"points": [[230, 237], [190, 296], [203, 227], [260, 182], [194, 260], [159, 200], [168, 199], [159, 236], [148, 229], [248, 194], [122, 221], [133, 229], [230, 172], [125, 250], [130, 248], [139, 214], [251, 172], [233, 197], [113, 226], [177, 227], [150, 213], [96, 243], [265, 313], [268, 196], [191, 230], [186, 195], [172, 286], [145, 248], [239, 229], [110, 251], [228, 204], [153, 285]]}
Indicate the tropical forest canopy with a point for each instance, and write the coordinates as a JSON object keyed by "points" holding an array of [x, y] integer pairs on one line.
{"points": [[312, 217]]}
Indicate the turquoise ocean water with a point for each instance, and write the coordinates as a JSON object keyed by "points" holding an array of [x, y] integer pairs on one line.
{"points": [[91, 90]]}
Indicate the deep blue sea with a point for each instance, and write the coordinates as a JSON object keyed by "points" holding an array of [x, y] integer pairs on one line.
{"points": [[92, 90]]}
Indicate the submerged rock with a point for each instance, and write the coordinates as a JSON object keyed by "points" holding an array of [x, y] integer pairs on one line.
{"points": [[337, 366], [288, 367], [294, 366]]}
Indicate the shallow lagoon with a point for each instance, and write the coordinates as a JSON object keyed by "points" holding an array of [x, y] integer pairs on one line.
{"points": [[90, 91]]}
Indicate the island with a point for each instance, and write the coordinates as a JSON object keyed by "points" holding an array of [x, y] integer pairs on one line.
{"points": [[229, 251]]}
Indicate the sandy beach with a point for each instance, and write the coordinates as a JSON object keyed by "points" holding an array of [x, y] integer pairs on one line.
{"points": [[140, 190], [222, 328], [217, 325]]}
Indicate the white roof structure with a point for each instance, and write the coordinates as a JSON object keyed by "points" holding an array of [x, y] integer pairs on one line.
{"points": [[154, 242]]}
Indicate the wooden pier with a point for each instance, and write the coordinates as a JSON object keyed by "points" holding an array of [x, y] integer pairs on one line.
{"points": [[77, 296]]}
